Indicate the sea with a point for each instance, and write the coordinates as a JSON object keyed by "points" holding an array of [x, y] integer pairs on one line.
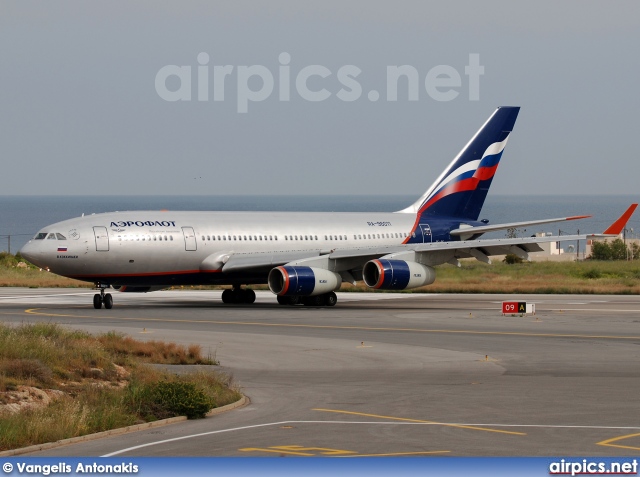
{"points": [[22, 216]]}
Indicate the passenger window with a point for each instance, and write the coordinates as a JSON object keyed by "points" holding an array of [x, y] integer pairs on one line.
{"points": [[316, 237], [249, 237], [170, 237], [245, 237]]}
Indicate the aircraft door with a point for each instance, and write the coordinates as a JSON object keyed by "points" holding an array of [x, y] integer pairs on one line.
{"points": [[102, 239], [189, 239], [426, 233]]}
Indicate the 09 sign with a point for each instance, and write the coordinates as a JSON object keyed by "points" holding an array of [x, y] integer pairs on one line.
{"points": [[510, 307]]}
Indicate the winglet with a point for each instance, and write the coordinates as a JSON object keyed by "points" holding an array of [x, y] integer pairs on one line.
{"points": [[616, 227]]}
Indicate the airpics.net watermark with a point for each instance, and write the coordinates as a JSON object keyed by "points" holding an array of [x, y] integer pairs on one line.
{"points": [[312, 83]]}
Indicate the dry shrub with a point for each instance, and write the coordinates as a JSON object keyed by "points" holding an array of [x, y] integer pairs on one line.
{"points": [[194, 351], [152, 351], [27, 369]]}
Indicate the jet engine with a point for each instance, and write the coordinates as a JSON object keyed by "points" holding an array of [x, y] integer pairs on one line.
{"points": [[302, 281], [386, 274]]}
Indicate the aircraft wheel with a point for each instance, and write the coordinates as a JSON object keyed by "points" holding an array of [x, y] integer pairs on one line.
{"points": [[237, 295], [283, 300], [294, 300], [248, 297], [108, 301], [97, 301], [330, 299], [227, 296], [312, 300]]}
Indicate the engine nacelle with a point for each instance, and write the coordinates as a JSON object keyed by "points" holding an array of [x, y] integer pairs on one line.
{"points": [[302, 281], [397, 274]]}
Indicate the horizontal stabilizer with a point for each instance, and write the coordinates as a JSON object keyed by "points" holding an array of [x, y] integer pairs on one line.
{"points": [[467, 232]]}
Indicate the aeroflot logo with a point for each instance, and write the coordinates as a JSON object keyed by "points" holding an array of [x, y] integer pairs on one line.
{"points": [[148, 223]]}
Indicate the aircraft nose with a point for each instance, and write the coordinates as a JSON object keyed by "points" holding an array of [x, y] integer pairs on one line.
{"points": [[28, 252]]}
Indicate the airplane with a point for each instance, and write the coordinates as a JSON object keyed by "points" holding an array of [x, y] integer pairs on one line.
{"points": [[303, 257]]}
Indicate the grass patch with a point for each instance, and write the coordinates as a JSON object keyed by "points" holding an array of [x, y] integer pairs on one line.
{"points": [[588, 277], [99, 383], [15, 271]]}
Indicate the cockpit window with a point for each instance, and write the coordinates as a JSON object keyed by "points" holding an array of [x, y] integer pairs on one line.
{"points": [[40, 236], [51, 236], [61, 237]]}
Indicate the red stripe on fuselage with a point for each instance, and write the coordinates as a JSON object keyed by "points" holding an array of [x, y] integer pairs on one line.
{"points": [[148, 274]]}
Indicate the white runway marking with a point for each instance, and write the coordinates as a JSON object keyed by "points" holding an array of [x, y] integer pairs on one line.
{"points": [[376, 423]]}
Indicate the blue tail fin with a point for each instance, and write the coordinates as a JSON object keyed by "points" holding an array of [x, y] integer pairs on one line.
{"points": [[461, 189]]}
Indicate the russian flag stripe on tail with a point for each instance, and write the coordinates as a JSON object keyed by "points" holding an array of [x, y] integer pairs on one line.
{"points": [[461, 189]]}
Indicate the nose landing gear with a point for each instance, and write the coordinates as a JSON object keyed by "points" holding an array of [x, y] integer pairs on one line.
{"points": [[102, 298]]}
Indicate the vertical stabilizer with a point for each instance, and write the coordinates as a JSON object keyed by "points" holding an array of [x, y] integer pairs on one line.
{"points": [[461, 189]]}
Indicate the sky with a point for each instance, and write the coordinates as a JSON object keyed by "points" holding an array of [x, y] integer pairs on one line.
{"points": [[95, 97]]}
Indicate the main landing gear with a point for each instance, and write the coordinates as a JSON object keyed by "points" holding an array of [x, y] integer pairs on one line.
{"points": [[238, 295], [102, 298], [326, 299]]}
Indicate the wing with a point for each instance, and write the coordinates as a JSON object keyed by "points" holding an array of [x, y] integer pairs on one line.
{"points": [[350, 260], [353, 258]]}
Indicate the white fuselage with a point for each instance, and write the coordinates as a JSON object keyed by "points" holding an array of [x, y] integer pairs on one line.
{"points": [[189, 247]]}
